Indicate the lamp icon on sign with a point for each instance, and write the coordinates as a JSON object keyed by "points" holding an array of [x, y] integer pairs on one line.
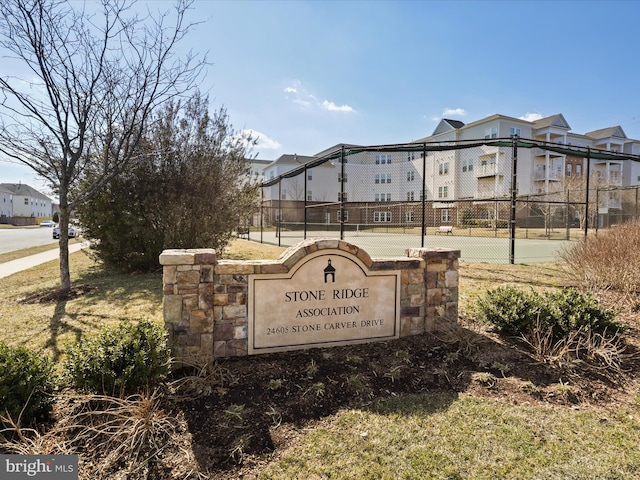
{"points": [[329, 271]]}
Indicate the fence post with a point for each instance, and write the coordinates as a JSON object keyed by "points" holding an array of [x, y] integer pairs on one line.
{"points": [[567, 216], [597, 210], [341, 218], [586, 206], [278, 232], [261, 212], [512, 219], [424, 193], [304, 235]]}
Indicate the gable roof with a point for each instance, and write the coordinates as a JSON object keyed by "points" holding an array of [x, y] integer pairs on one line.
{"points": [[446, 125], [23, 190], [556, 120], [607, 133], [292, 159]]}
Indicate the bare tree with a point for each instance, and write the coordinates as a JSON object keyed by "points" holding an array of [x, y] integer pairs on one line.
{"points": [[93, 80]]}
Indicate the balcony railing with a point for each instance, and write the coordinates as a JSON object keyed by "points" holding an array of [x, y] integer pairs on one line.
{"points": [[488, 170], [543, 175]]}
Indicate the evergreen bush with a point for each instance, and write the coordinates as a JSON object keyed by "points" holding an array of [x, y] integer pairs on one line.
{"points": [[125, 357], [27, 384], [514, 311]]}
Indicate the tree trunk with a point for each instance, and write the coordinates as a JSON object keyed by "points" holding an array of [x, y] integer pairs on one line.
{"points": [[65, 277]]}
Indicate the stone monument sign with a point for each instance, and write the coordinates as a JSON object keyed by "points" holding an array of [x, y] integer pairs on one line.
{"points": [[329, 298], [320, 292]]}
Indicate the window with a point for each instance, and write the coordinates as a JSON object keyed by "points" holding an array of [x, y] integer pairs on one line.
{"points": [[423, 195], [377, 197], [409, 217], [410, 156], [377, 178], [578, 170], [443, 192], [340, 177], [411, 176], [309, 174], [284, 196], [388, 178], [342, 197], [514, 131], [445, 215], [569, 168], [382, 217], [345, 215], [443, 168], [309, 195], [491, 133], [388, 197], [410, 196], [383, 159], [26, 201]]}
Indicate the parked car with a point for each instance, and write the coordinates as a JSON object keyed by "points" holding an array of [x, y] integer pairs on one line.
{"points": [[73, 232], [47, 223]]}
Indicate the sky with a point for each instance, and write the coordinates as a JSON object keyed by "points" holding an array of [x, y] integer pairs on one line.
{"points": [[306, 75]]}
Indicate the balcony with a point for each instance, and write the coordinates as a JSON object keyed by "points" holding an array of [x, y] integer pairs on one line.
{"points": [[488, 170], [543, 175]]}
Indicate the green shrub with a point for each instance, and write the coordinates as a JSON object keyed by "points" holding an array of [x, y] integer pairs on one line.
{"points": [[27, 383], [124, 357], [516, 312], [511, 310], [573, 310]]}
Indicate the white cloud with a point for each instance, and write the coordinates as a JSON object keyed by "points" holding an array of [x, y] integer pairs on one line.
{"points": [[298, 94], [335, 108], [263, 142], [531, 117], [454, 112]]}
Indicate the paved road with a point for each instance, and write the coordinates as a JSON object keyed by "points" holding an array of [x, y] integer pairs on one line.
{"points": [[18, 238]]}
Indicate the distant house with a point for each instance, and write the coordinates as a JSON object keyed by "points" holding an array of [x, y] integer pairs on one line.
{"points": [[6, 204], [18, 200]]}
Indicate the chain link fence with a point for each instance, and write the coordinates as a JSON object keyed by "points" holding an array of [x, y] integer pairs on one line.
{"points": [[496, 201]]}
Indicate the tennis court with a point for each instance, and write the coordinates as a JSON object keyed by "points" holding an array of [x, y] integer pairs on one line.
{"points": [[472, 249]]}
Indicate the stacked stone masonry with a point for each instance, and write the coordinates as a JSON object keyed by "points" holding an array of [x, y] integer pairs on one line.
{"points": [[205, 299]]}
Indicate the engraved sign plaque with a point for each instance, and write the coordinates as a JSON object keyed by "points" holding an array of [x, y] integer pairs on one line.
{"points": [[328, 298]]}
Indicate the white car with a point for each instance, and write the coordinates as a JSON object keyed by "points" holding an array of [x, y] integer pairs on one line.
{"points": [[47, 223], [73, 232]]}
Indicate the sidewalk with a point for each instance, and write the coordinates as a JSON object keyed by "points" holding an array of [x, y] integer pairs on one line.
{"points": [[15, 266]]}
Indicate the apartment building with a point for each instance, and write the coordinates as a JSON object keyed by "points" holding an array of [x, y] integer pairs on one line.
{"points": [[481, 173]]}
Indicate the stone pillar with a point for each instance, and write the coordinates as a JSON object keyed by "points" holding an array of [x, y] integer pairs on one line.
{"points": [[188, 301], [440, 287]]}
